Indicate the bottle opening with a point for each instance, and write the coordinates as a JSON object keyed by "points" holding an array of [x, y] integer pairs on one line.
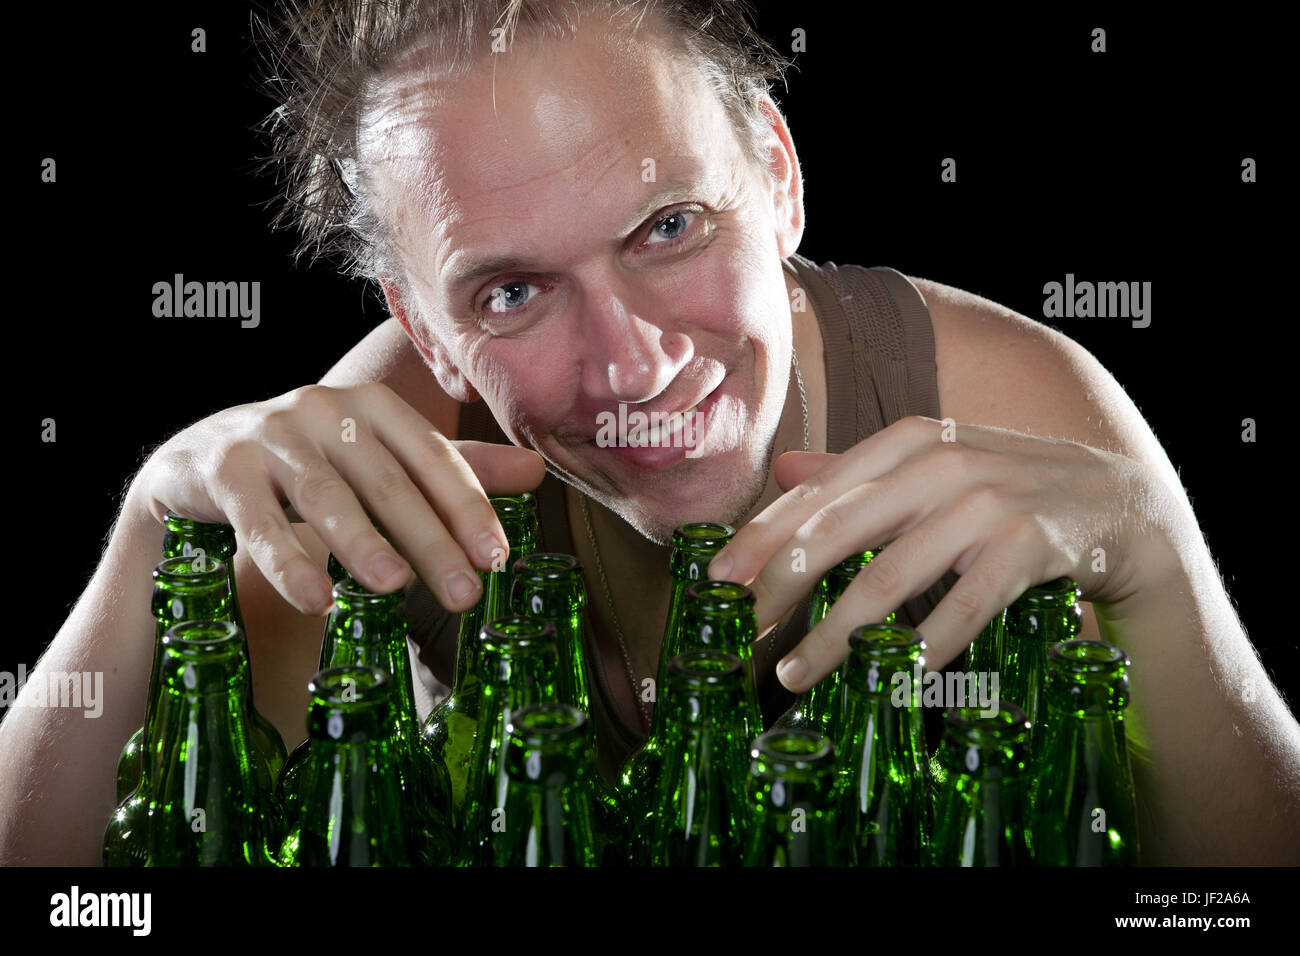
{"points": [[1096, 656], [340, 686], [1058, 593], [540, 724], [203, 639], [516, 632], [702, 668], [189, 570], [719, 593], [545, 566], [1008, 725], [514, 504], [700, 532], [885, 636], [797, 749]]}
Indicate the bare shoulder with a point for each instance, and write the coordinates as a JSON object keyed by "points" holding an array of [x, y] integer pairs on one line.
{"points": [[387, 355], [1000, 368]]}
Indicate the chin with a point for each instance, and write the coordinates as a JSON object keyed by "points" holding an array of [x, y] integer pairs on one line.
{"points": [[714, 490]]}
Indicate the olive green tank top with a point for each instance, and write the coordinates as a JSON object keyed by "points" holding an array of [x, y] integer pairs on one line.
{"points": [[878, 346]]}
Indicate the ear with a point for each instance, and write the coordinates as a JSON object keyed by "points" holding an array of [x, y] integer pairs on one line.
{"points": [[784, 177], [452, 380]]}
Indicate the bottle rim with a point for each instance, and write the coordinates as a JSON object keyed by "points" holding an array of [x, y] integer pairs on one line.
{"points": [[511, 505], [351, 592], [517, 633], [1060, 592], [546, 724], [718, 597], [203, 640], [883, 637], [179, 572], [1010, 724], [793, 750], [702, 534], [1081, 655], [547, 566], [705, 669], [328, 688]]}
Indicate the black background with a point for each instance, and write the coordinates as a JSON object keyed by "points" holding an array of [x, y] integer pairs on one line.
{"points": [[1124, 166]]}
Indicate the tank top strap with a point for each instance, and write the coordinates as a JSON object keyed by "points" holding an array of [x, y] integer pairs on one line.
{"points": [[878, 344]]}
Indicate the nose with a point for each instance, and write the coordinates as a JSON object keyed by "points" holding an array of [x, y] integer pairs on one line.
{"points": [[628, 357]]}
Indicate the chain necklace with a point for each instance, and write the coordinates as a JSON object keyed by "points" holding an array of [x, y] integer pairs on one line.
{"points": [[600, 567]]}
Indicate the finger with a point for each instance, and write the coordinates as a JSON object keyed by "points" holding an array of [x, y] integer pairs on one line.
{"points": [[913, 562], [252, 508], [503, 469], [386, 487], [755, 544], [326, 502], [1011, 563], [450, 511], [795, 467], [867, 516]]}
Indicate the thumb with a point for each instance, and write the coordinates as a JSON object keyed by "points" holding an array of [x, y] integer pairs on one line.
{"points": [[794, 467], [503, 469]]}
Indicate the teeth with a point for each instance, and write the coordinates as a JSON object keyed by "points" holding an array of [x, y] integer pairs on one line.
{"points": [[665, 430]]}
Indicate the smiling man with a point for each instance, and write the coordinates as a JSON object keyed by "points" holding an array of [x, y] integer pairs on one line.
{"points": [[580, 208]]}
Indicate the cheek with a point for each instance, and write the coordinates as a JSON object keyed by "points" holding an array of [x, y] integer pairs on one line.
{"points": [[527, 382]]}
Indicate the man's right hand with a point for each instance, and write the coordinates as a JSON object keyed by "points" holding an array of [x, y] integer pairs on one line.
{"points": [[343, 460]]}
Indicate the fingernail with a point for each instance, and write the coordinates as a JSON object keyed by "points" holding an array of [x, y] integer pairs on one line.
{"points": [[491, 550], [720, 567], [791, 671], [318, 595], [384, 566], [461, 586]]}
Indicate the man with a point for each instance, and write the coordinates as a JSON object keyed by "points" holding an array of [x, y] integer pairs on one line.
{"points": [[594, 211]]}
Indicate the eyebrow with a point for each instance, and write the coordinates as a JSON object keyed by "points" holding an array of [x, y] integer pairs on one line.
{"points": [[475, 270]]}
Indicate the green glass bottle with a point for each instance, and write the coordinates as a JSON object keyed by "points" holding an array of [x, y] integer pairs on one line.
{"points": [[1042, 616], [184, 589], [550, 586], [518, 668], [1085, 808], [205, 805], [370, 630], [450, 727], [817, 708], [184, 536], [987, 648], [352, 813], [719, 615], [693, 547], [548, 818], [882, 746], [794, 791], [981, 814], [700, 815]]}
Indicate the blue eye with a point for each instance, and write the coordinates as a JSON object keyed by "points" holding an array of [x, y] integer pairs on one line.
{"points": [[508, 296], [671, 227]]}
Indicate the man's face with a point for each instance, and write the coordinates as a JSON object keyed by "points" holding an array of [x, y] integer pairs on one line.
{"points": [[581, 228]]}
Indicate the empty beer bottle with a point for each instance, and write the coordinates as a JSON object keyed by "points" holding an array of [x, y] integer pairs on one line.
{"points": [[352, 813], [700, 816], [186, 588], [550, 586], [185, 536], [882, 750], [693, 546], [794, 795], [547, 817], [449, 729], [206, 808], [1085, 809], [817, 708], [981, 814], [369, 630], [1042, 616], [719, 616], [518, 668]]}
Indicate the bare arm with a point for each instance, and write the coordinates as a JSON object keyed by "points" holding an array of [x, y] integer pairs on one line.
{"points": [[1216, 753]]}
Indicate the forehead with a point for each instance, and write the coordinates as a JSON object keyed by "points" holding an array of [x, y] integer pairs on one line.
{"points": [[549, 121]]}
